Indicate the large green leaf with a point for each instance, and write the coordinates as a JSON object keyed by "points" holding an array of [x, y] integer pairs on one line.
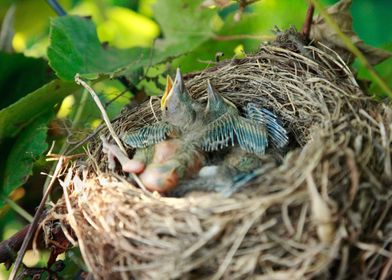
{"points": [[185, 26], [75, 47], [21, 113], [20, 75], [179, 19], [27, 148]]}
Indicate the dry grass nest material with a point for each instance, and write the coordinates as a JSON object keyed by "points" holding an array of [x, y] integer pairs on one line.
{"points": [[324, 211]]}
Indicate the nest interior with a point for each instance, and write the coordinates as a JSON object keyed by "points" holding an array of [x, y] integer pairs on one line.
{"points": [[323, 212]]}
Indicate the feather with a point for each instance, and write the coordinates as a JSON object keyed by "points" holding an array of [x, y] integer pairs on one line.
{"points": [[275, 131], [233, 129], [148, 135]]}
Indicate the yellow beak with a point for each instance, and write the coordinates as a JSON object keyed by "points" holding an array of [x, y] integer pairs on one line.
{"points": [[169, 86]]}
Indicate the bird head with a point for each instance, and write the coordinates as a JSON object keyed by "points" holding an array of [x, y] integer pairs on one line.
{"points": [[176, 103], [216, 104]]}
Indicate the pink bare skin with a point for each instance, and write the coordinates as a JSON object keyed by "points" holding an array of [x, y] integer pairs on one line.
{"points": [[162, 174], [160, 177], [127, 165], [165, 176]]}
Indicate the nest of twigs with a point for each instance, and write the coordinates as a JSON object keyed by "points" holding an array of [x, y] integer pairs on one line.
{"points": [[323, 212]]}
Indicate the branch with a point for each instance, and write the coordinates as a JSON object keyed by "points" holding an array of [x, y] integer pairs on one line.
{"points": [[10, 247], [308, 22], [33, 227], [352, 48]]}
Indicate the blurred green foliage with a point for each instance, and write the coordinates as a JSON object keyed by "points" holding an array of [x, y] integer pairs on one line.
{"points": [[144, 40]]}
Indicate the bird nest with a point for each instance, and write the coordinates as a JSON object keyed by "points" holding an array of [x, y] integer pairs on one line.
{"points": [[323, 211]]}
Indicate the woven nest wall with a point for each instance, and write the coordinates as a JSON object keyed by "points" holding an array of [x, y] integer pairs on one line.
{"points": [[323, 212]]}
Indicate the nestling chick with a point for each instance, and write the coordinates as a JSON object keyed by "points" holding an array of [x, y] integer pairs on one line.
{"points": [[172, 150]]}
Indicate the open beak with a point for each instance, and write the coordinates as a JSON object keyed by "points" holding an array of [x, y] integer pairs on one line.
{"points": [[172, 87], [169, 86]]}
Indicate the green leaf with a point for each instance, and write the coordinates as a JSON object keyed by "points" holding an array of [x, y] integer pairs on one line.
{"points": [[28, 147], [185, 26], [385, 71], [75, 48], [21, 113], [20, 75], [184, 20]]}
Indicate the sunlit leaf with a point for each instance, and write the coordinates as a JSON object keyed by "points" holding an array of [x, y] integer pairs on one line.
{"points": [[183, 19], [31, 35], [75, 48], [125, 28], [185, 27]]}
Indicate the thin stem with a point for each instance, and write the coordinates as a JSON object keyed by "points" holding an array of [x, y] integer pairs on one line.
{"points": [[105, 117], [57, 7], [352, 48], [308, 22], [34, 225], [243, 36], [18, 209]]}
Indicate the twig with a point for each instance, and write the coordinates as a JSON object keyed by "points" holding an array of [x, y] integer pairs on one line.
{"points": [[84, 140], [352, 48], [57, 7], [34, 224], [7, 30], [105, 117], [152, 108], [308, 22], [18, 209], [9, 247], [88, 137], [243, 36]]}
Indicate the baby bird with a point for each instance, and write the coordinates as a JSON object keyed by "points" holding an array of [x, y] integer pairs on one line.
{"points": [[176, 148], [213, 128]]}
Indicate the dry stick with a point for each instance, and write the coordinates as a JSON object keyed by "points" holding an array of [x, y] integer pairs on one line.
{"points": [[352, 48], [243, 36], [105, 117], [34, 224], [308, 21]]}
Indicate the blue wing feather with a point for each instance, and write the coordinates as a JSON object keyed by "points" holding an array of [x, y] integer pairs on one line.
{"points": [[148, 135], [275, 130]]}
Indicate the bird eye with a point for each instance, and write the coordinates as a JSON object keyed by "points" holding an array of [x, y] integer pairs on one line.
{"points": [[166, 108]]}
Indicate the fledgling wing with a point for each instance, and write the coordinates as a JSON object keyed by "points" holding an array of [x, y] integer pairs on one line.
{"points": [[220, 179], [219, 134], [276, 133], [231, 129], [148, 135]]}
